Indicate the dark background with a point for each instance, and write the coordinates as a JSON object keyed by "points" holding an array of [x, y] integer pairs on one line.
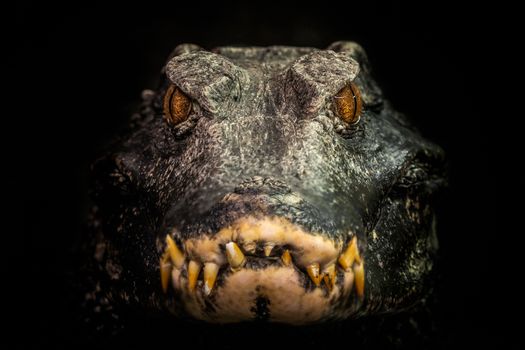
{"points": [[79, 72]]}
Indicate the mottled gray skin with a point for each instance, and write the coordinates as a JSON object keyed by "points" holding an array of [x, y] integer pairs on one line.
{"points": [[262, 123]]}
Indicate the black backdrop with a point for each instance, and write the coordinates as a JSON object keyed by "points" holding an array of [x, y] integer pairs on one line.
{"points": [[81, 69]]}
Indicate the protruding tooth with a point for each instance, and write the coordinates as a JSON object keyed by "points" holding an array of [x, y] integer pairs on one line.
{"points": [[348, 282], [350, 255], [249, 247], [235, 255], [313, 272], [175, 278], [286, 258], [210, 275], [359, 271], [176, 255], [329, 276], [194, 268], [165, 272], [268, 246]]}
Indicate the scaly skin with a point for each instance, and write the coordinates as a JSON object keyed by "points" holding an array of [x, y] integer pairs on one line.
{"points": [[275, 208]]}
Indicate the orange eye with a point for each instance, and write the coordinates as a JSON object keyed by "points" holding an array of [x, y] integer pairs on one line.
{"points": [[348, 104], [177, 106]]}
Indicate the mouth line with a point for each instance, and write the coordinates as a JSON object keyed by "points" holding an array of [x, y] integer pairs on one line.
{"points": [[256, 264], [256, 244]]}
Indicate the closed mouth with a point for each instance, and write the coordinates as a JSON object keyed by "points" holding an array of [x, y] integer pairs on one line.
{"points": [[262, 267]]}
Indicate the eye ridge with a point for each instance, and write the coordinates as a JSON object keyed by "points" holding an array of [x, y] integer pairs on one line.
{"points": [[177, 105]]}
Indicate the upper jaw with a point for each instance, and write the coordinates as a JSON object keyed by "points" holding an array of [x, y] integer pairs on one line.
{"points": [[262, 198]]}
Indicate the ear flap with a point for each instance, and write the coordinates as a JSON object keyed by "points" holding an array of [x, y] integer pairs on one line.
{"points": [[182, 49], [352, 49], [179, 50], [370, 92]]}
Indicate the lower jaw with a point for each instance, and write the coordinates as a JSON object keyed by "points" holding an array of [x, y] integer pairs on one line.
{"points": [[273, 294], [299, 277]]}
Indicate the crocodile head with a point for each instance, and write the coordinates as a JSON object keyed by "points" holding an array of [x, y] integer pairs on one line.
{"points": [[270, 183]]}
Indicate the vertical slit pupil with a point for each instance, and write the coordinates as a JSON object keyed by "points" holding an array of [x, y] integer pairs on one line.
{"points": [[348, 103], [177, 105]]}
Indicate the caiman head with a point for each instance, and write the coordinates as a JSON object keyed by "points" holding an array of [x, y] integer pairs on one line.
{"points": [[267, 183]]}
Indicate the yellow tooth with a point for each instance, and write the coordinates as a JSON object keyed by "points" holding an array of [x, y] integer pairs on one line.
{"points": [[194, 268], [210, 275], [235, 255], [268, 248], [165, 272], [286, 258], [175, 278], [350, 255], [329, 276], [348, 282], [313, 272], [359, 271], [177, 257], [249, 247]]}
